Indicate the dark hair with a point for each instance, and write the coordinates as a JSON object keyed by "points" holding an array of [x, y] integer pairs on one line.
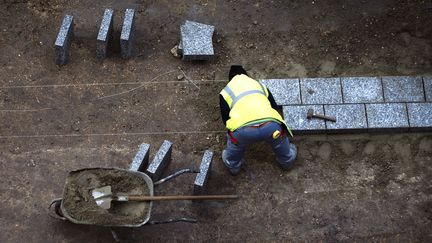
{"points": [[236, 70]]}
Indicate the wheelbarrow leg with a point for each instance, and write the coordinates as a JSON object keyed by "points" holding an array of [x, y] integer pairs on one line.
{"points": [[187, 220]]}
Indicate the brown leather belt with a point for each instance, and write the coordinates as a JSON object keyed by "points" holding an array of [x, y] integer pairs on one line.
{"points": [[260, 124]]}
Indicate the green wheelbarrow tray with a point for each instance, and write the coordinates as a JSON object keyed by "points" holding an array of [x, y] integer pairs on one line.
{"points": [[59, 207]]}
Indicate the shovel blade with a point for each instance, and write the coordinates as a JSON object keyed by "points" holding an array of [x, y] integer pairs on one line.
{"points": [[104, 203], [102, 196]]}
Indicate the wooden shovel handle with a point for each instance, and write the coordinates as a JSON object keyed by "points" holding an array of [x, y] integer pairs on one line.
{"points": [[163, 198]]}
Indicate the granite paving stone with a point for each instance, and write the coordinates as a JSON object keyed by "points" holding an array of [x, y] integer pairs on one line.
{"points": [[321, 91], [196, 41], [403, 89], [420, 115], [63, 40], [205, 169], [428, 88], [296, 118], [348, 117], [284, 91], [141, 158], [362, 90], [105, 34], [160, 161], [387, 115], [127, 33]]}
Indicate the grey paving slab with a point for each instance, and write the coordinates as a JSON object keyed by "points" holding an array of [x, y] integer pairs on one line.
{"points": [[387, 115], [420, 115], [201, 179], [403, 89], [141, 158], [348, 117], [63, 40], [196, 41], [362, 90], [127, 33], [428, 88], [296, 118], [105, 34], [321, 91], [284, 91], [160, 161]]}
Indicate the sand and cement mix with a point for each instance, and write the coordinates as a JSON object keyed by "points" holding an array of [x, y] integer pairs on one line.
{"points": [[79, 204]]}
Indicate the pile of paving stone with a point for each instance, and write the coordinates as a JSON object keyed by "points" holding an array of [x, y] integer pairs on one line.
{"points": [[196, 39], [358, 103], [104, 38]]}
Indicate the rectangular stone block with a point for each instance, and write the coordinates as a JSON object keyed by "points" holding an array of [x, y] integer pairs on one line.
{"points": [[160, 161], [127, 33], [141, 158], [63, 41], [427, 81], [284, 91], [403, 89], [296, 118], [204, 174], [362, 90], [386, 116], [321, 91], [420, 116], [105, 34], [349, 117], [196, 41]]}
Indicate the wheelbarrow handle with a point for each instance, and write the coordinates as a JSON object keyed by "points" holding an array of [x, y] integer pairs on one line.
{"points": [[191, 197]]}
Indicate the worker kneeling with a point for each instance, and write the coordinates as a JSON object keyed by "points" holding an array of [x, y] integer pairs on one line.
{"points": [[248, 111]]}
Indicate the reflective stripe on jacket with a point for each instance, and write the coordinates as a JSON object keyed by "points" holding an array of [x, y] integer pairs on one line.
{"points": [[248, 102]]}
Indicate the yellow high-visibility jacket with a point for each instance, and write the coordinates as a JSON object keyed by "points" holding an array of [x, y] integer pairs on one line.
{"points": [[248, 102]]}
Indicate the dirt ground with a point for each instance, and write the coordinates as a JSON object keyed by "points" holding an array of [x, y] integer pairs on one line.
{"points": [[344, 188]]}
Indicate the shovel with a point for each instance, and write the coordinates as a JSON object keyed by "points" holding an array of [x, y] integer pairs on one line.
{"points": [[103, 197]]}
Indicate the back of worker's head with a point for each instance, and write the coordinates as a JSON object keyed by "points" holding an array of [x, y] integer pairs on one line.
{"points": [[236, 70]]}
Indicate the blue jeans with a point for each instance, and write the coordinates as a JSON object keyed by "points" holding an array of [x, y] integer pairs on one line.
{"points": [[247, 135]]}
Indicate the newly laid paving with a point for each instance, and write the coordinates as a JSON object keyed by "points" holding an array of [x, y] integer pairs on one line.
{"points": [[360, 104], [284, 91]]}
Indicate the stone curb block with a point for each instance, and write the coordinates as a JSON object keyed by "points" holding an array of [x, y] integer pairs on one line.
{"points": [[284, 91], [196, 41], [349, 117], [362, 90], [296, 118], [141, 158], [160, 161], [205, 169], [387, 116], [105, 34], [420, 116], [127, 33], [427, 81], [63, 40], [321, 91], [403, 89]]}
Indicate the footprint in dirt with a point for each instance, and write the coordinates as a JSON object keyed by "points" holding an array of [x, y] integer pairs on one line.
{"points": [[324, 151], [369, 148]]}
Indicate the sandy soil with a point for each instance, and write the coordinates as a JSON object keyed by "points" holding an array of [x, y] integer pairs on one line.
{"points": [[344, 188]]}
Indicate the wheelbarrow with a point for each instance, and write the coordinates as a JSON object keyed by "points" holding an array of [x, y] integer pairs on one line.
{"points": [[75, 200]]}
